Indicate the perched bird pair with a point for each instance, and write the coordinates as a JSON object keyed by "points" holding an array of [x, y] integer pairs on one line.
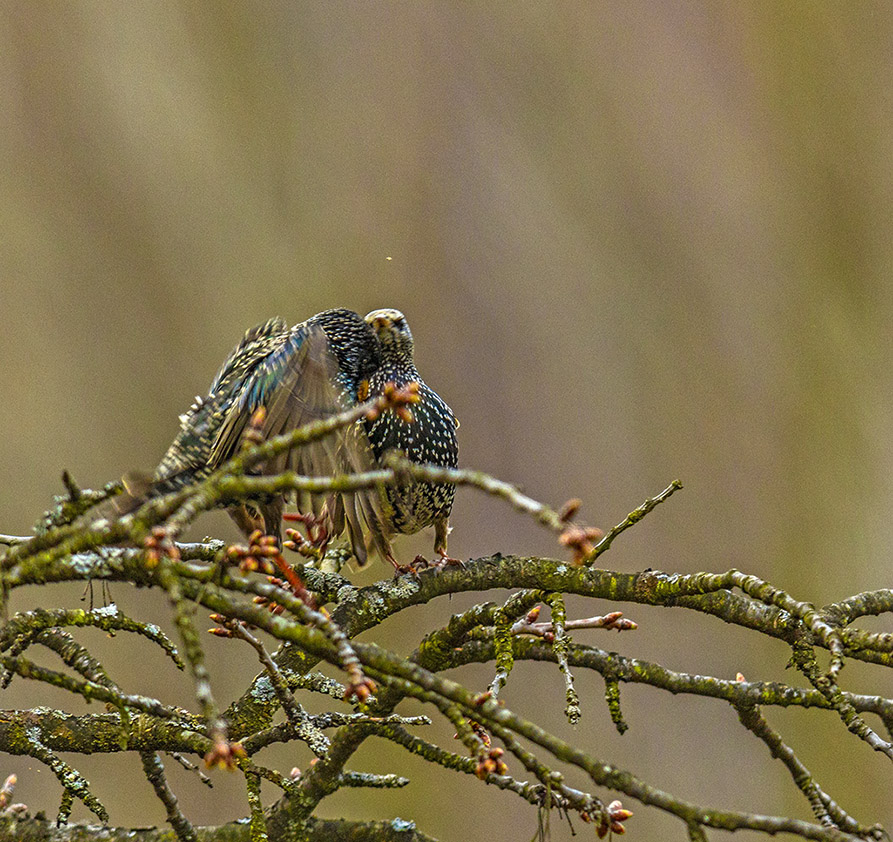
{"points": [[301, 374]]}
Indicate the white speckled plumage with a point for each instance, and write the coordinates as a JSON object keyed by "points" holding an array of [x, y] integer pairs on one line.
{"points": [[430, 438]]}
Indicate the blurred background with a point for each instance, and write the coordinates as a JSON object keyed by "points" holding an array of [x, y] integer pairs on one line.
{"points": [[634, 241]]}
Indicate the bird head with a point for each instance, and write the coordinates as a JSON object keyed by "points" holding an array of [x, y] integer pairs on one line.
{"points": [[392, 330]]}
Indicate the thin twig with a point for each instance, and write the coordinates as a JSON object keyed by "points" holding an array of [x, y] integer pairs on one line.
{"points": [[154, 770], [73, 782], [187, 764], [258, 822], [304, 727], [561, 646], [366, 779], [195, 657], [614, 621], [632, 519], [825, 809], [92, 690]]}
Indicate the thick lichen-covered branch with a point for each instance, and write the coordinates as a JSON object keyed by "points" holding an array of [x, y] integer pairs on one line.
{"points": [[202, 577], [14, 829]]}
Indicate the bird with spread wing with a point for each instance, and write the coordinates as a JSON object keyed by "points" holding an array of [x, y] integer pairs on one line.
{"points": [[299, 375]]}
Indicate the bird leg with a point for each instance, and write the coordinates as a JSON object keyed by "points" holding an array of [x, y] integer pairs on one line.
{"points": [[271, 510], [448, 561], [441, 530]]}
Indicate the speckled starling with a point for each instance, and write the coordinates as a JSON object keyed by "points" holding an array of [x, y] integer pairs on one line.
{"points": [[430, 438], [298, 374]]}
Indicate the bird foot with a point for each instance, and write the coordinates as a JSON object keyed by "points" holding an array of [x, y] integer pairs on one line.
{"points": [[418, 564], [421, 563], [448, 561], [405, 570]]}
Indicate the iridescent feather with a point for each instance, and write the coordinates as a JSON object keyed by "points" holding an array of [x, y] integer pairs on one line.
{"points": [[299, 375]]}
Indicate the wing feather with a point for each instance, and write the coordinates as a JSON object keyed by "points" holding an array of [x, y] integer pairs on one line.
{"points": [[299, 385]]}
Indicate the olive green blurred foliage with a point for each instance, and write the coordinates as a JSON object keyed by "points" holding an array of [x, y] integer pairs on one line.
{"points": [[635, 241]]}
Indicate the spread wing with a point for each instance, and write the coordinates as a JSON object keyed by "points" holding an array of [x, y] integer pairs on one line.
{"points": [[292, 373], [188, 458], [298, 383], [191, 455]]}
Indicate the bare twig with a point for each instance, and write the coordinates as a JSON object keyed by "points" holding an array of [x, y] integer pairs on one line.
{"points": [[825, 809], [614, 621], [561, 645], [73, 783], [154, 770], [191, 767], [632, 519]]}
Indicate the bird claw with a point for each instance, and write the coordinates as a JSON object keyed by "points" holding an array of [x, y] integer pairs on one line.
{"points": [[448, 561], [420, 563], [416, 566]]}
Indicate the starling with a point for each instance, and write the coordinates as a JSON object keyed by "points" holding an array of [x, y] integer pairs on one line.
{"points": [[298, 375], [430, 438]]}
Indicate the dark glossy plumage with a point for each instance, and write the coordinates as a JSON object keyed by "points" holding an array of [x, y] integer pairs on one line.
{"points": [[298, 374], [430, 438]]}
